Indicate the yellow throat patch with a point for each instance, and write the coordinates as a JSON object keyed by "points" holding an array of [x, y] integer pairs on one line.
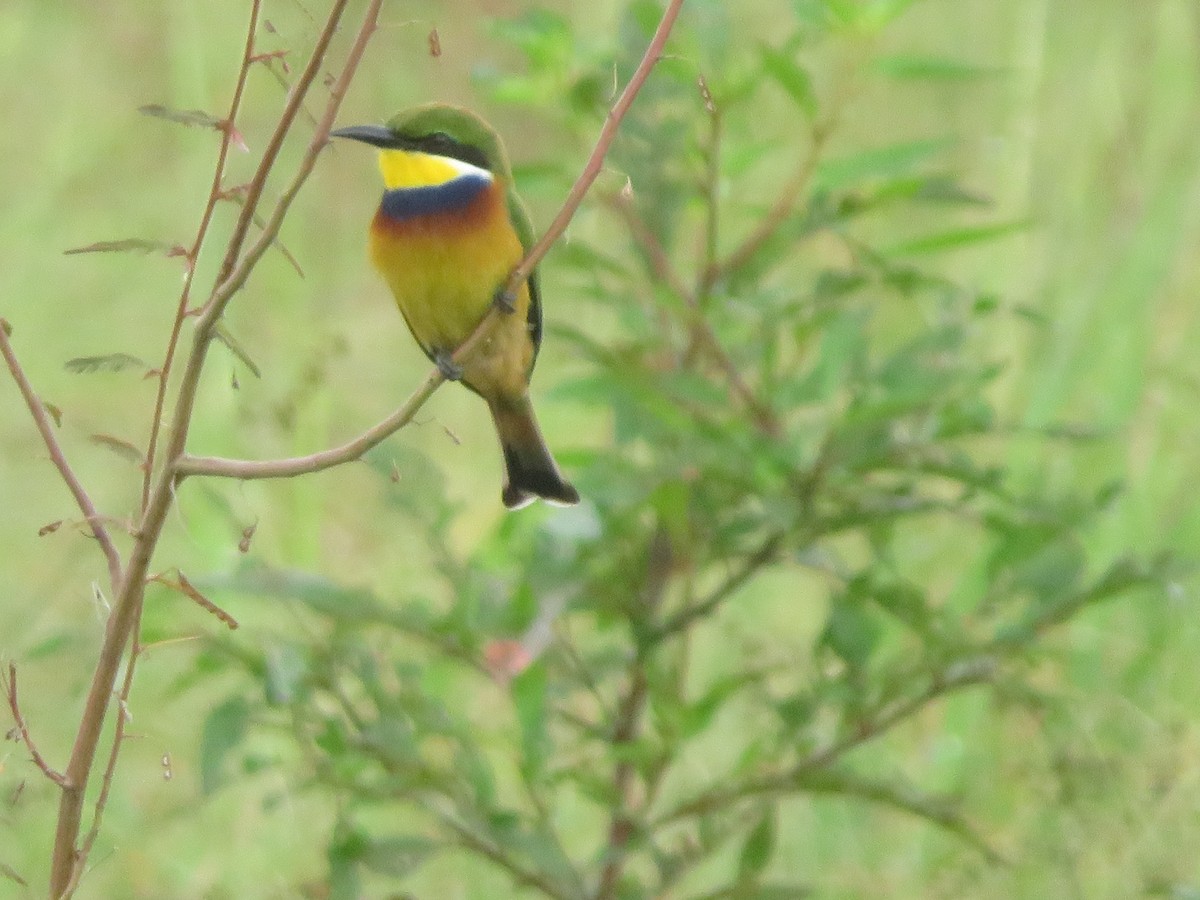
{"points": [[413, 169]]}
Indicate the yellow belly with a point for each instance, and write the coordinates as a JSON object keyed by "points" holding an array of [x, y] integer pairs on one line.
{"points": [[444, 274]]}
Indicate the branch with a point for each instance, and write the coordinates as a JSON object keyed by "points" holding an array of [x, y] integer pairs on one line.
{"points": [[127, 606], [214, 195], [629, 719], [963, 674], [596, 161], [19, 720], [764, 555], [778, 213], [42, 420], [325, 459], [526, 877]]}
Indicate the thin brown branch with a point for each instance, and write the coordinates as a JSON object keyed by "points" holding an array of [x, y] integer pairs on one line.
{"points": [[595, 163], [114, 753], [627, 725], [964, 674], [127, 606], [292, 108], [315, 462], [526, 877], [702, 334], [766, 553], [661, 267], [789, 196], [23, 729], [215, 194], [42, 420]]}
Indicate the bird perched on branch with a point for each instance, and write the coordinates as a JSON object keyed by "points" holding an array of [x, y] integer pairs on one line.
{"points": [[446, 237]]}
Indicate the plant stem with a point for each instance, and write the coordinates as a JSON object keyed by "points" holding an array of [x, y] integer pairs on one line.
{"points": [[214, 196], [67, 856], [42, 420]]}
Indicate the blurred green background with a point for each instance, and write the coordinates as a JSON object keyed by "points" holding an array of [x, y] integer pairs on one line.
{"points": [[1088, 128]]}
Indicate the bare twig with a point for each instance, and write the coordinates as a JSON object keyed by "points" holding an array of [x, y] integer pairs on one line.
{"points": [[114, 753], [961, 675], [42, 420], [215, 194], [789, 196], [629, 718], [19, 720], [325, 459], [596, 161], [127, 607], [766, 553], [522, 875]]}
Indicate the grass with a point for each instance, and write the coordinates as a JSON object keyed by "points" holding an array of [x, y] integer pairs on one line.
{"points": [[1089, 130]]}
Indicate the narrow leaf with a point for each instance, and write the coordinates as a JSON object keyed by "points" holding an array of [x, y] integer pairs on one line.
{"points": [[112, 362], [222, 334], [11, 874], [397, 856], [880, 162], [188, 117], [55, 413], [223, 731], [957, 237], [937, 68], [120, 447], [790, 76], [128, 245], [760, 844]]}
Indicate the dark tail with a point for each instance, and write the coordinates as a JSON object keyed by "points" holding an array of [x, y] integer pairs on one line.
{"points": [[530, 467]]}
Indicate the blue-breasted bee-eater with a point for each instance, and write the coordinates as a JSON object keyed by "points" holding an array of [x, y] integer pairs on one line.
{"points": [[446, 237]]}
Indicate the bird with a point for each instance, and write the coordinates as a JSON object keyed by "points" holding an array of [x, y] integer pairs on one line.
{"points": [[448, 233]]}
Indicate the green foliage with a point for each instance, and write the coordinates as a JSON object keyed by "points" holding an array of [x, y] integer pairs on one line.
{"points": [[802, 424]]}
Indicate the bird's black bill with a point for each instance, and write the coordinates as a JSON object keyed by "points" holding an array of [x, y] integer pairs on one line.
{"points": [[375, 135]]}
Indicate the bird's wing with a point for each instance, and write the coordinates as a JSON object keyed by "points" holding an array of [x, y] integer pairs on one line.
{"points": [[524, 229]]}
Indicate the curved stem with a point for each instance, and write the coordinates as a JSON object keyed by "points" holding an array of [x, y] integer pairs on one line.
{"points": [[42, 420], [214, 195]]}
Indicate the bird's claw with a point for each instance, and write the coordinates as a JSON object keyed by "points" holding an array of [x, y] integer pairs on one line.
{"points": [[505, 301], [450, 370]]}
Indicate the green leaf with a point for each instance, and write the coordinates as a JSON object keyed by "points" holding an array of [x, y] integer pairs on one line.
{"points": [[189, 117], [286, 669], [881, 162], [119, 446], [223, 731], [398, 856], [112, 362], [790, 76], [529, 699], [954, 238], [222, 334], [935, 68], [851, 632], [128, 245], [760, 845]]}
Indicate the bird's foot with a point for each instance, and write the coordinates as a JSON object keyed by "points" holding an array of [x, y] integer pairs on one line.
{"points": [[505, 301], [450, 370]]}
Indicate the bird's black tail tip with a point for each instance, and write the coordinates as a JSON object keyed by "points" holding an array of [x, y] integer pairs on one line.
{"points": [[530, 486]]}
